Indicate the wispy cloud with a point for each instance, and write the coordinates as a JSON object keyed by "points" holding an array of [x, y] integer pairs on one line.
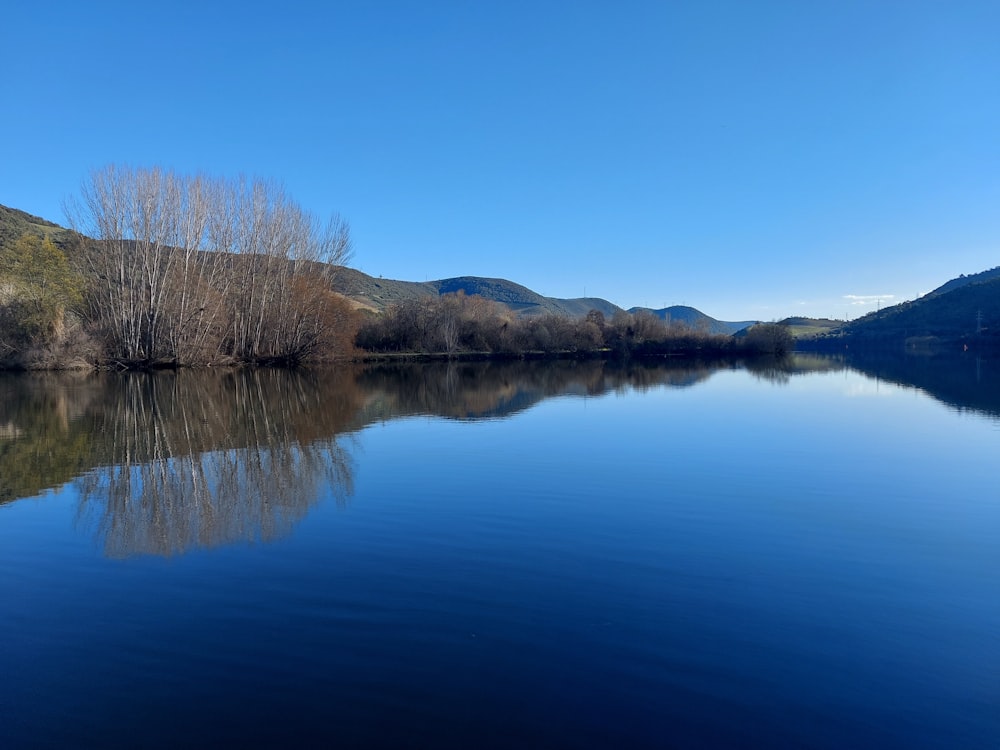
{"points": [[868, 299]]}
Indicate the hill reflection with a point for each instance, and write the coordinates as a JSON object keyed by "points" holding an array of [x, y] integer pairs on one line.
{"points": [[167, 462], [966, 382], [495, 390]]}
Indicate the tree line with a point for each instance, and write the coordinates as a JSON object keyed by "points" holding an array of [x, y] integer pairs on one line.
{"points": [[455, 323], [167, 269], [194, 269]]}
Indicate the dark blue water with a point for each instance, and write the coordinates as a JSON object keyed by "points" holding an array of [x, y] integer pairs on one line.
{"points": [[572, 558]]}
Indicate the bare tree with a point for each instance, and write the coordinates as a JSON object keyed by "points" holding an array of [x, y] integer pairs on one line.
{"points": [[189, 267]]}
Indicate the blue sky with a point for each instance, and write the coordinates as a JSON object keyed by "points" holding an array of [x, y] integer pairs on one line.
{"points": [[751, 159]]}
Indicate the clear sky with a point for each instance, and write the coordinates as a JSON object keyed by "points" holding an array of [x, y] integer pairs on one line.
{"points": [[751, 159]]}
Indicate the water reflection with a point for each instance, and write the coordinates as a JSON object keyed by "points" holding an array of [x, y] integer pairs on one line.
{"points": [[781, 370], [966, 383], [170, 461], [492, 390], [42, 439], [203, 461]]}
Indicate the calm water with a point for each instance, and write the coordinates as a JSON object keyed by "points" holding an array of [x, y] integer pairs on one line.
{"points": [[555, 555]]}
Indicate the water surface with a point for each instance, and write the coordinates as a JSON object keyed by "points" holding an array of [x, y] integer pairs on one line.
{"points": [[554, 554]]}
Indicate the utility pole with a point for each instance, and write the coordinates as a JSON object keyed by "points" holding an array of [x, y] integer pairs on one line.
{"points": [[979, 322]]}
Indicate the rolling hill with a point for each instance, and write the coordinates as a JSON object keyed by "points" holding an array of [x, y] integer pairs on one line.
{"points": [[695, 319], [963, 311], [963, 280], [15, 223], [375, 294], [805, 328]]}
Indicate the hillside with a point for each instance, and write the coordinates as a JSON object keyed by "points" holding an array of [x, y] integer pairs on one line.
{"points": [[963, 280], [962, 311], [523, 300], [375, 294], [15, 223], [805, 328], [695, 319]]}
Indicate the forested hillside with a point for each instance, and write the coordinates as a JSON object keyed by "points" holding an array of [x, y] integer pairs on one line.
{"points": [[964, 312], [14, 224]]}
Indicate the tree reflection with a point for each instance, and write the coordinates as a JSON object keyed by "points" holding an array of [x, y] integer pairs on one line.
{"points": [[166, 462], [201, 461], [781, 370], [497, 389], [41, 443], [200, 457]]}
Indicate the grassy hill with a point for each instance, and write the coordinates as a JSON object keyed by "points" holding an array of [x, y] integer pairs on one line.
{"points": [[806, 328], [377, 293], [15, 223]]}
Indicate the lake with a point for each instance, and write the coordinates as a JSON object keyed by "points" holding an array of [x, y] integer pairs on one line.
{"points": [[559, 554]]}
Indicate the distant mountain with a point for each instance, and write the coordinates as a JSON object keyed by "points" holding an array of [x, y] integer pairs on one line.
{"points": [[695, 319], [376, 293], [523, 300]]}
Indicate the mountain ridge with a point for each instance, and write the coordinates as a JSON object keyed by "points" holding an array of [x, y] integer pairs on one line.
{"points": [[964, 311], [374, 294], [695, 319], [961, 307]]}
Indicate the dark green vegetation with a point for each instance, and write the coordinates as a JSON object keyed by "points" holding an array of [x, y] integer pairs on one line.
{"points": [[40, 299], [962, 314], [15, 224], [963, 280]]}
